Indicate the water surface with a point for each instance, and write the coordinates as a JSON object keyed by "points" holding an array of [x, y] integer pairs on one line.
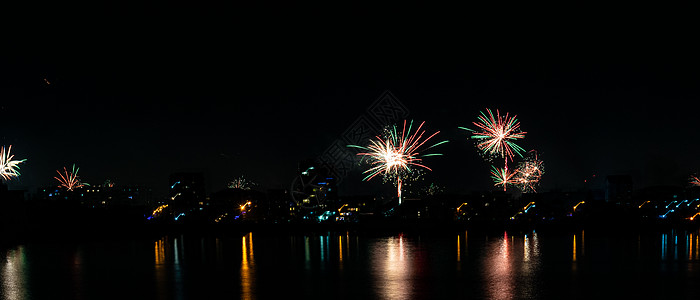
{"points": [[347, 265]]}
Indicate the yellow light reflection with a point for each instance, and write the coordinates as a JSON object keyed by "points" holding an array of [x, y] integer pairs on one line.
{"points": [[159, 251], [458, 250], [574, 254], [697, 244], [466, 243], [690, 247], [161, 273], [247, 267]]}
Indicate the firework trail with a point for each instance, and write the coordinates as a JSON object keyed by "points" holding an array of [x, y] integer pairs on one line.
{"points": [[9, 168], [69, 180], [395, 154]]}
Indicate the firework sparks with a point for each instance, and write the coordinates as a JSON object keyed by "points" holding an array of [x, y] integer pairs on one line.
{"points": [[502, 177], [397, 153], [528, 173], [69, 180], [9, 168], [694, 180], [497, 135], [241, 183]]}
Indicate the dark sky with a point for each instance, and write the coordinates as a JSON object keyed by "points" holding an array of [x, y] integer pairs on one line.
{"points": [[136, 94]]}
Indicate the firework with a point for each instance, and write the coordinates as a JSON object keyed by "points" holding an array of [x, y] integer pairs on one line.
{"points": [[240, 183], [9, 168], [497, 134], [397, 153], [694, 180], [433, 189], [69, 180], [502, 177], [528, 173]]}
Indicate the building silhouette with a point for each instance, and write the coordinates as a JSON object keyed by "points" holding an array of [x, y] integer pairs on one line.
{"points": [[618, 189]]}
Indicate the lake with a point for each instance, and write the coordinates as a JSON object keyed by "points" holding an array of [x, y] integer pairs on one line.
{"points": [[524, 264]]}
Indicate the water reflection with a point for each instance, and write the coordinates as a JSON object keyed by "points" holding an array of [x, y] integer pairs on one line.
{"points": [[499, 271], [574, 249], [664, 246], [510, 265], [459, 251], [167, 258], [392, 268], [509, 273], [14, 274], [679, 245], [340, 249], [307, 253], [247, 267]]}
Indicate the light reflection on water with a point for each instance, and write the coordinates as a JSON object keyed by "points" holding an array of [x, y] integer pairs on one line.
{"points": [[679, 245], [247, 268], [14, 274], [509, 273], [508, 265], [393, 259]]}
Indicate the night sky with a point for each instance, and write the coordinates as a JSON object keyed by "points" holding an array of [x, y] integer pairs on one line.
{"points": [[143, 94]]}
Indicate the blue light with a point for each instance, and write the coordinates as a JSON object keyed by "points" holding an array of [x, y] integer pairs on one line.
{"points": [[664, 215], [679, 204], [178, 216], [173, 186], [529, 208]]}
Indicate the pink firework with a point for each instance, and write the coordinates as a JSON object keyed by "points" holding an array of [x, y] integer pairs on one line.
{"points": [[69, 180], [694, 180], [497, 134], [528, 173]]}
